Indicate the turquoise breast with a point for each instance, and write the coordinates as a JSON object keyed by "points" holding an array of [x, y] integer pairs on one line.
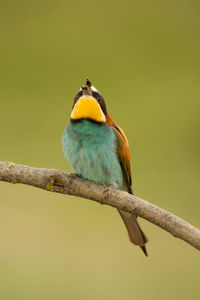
{"points": [[91, 149]]}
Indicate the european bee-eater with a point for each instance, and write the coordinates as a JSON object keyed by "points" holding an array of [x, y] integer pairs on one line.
{"points": [[97, 149]]}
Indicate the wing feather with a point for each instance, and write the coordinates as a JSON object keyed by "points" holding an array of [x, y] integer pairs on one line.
{"points": [[123, 151]]}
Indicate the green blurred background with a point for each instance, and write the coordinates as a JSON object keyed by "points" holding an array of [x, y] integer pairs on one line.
{"points": [[144, 57]]}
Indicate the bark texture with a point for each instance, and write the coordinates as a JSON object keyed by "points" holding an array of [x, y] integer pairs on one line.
{"points": [[71, 184]]}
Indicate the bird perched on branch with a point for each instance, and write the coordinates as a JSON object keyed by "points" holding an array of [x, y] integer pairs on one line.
{"points": [[97, 149]]}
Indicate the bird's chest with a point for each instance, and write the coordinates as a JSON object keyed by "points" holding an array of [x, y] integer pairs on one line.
{"points": [[91, 150]]}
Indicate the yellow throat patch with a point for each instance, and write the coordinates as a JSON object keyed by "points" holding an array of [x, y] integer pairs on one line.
{"points": [[87, 107]]}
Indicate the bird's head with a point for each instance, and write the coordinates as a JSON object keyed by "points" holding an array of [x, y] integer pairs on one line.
{"points": [[89, 104]]}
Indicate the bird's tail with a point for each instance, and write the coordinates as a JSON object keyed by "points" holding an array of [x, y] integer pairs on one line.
{"points": [[136, 235]]}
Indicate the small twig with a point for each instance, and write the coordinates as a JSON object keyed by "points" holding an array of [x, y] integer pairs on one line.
{"points": [[71, 184]]}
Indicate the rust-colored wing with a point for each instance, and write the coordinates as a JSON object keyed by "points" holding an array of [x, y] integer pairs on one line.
{"points": [[123, 150], [136, 235]]}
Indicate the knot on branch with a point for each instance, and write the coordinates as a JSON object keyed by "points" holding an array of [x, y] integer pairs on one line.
{"points": [[71, 184]]}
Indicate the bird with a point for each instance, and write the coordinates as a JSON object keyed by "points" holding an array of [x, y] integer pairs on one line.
{"points": [[98, 150]]}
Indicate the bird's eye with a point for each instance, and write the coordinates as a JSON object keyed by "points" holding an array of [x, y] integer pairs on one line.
{"points": [[80, 93]]}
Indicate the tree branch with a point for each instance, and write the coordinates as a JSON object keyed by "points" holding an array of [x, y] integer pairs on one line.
{"points": [[71, 184]]}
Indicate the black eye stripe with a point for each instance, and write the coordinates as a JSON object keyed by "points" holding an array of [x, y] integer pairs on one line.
{"points": [[80, 93], [100, 100], [96, 95]]}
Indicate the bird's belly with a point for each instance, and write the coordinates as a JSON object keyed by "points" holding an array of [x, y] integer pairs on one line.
{"points": [[94, 159], [99, 165]]}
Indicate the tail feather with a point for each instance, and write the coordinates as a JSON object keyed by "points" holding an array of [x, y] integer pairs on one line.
{"points": [[136, 235], [144, 250]]}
